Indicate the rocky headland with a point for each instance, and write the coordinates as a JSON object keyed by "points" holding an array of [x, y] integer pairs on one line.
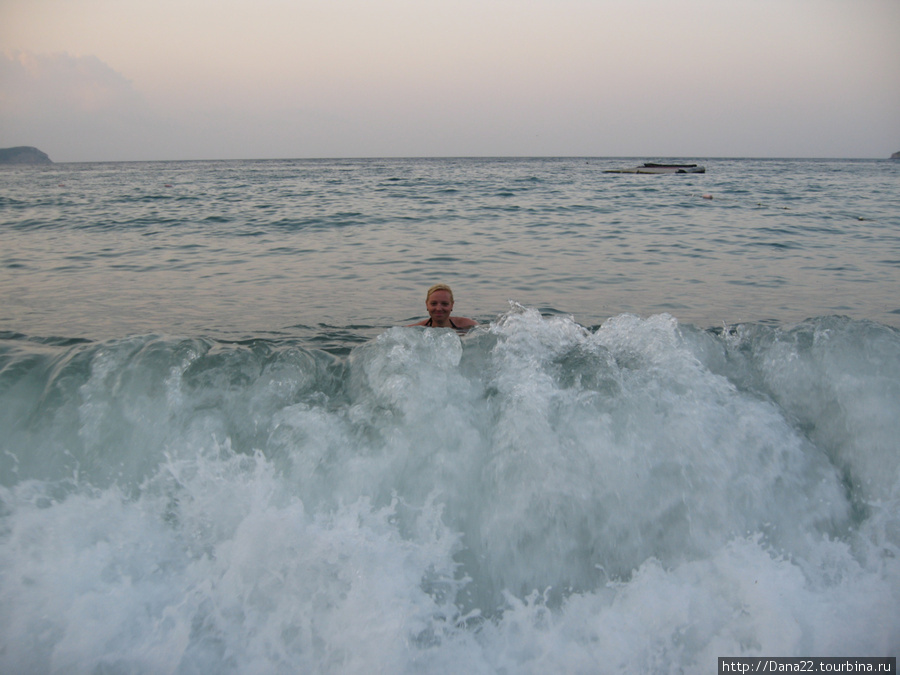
{"points": [[24, 154]]}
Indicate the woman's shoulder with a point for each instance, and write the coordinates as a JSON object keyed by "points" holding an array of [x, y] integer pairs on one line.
{"points": [[463, 322]]}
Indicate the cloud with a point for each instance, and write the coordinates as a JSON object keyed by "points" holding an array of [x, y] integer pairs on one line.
{"points": [[79, 84], [72, 107], [78, 108]]}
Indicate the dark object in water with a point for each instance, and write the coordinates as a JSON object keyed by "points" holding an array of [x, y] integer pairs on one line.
{"points": [[650, 167]]}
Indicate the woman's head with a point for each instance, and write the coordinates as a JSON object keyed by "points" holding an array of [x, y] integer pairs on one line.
{"points": [[439, 303], [439, 287]]}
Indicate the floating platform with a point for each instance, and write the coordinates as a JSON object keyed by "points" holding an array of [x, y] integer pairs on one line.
{"points": [[661, 168]]}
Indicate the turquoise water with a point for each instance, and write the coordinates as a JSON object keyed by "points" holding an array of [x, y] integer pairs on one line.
{"points": [[673, 437]]}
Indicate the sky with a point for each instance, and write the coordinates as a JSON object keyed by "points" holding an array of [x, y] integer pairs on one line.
{"points": [[125, 80]]}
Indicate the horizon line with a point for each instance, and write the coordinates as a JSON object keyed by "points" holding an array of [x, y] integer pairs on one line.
{"points": [[461, 157]]}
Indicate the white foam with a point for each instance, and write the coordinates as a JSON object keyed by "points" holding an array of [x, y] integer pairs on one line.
{"points": [[532, 497]]}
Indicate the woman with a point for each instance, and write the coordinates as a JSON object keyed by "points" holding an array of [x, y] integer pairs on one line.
{"points": [[439, 303]]}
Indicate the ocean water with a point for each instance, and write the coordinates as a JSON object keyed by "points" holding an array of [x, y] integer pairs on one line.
{"points": [[673, 437]]}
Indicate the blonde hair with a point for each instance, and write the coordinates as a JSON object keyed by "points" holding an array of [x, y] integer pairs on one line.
{"points": [[439, 287]]}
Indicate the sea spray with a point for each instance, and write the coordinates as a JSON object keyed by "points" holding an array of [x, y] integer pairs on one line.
{"points": [[640, 497]]}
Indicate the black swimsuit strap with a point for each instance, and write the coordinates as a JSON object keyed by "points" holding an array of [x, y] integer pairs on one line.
{"points": [[452, 325]]}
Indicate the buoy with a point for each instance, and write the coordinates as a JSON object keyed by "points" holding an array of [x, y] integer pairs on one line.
{"points": [[706, 196]]}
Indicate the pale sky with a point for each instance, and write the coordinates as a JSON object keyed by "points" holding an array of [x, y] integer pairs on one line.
{"points": [[95, 80]]}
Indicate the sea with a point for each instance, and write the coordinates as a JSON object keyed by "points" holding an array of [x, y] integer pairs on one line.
{"points": [[674, 435]]}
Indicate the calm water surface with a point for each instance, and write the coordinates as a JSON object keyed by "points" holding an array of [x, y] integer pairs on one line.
{"points": [[256, 247]]}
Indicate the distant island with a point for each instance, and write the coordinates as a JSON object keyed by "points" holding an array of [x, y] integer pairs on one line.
{"points": [[896, 155], [23, 154]]}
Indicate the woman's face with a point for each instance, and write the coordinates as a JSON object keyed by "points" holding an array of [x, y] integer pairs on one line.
{"points": [[439, 306]]}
